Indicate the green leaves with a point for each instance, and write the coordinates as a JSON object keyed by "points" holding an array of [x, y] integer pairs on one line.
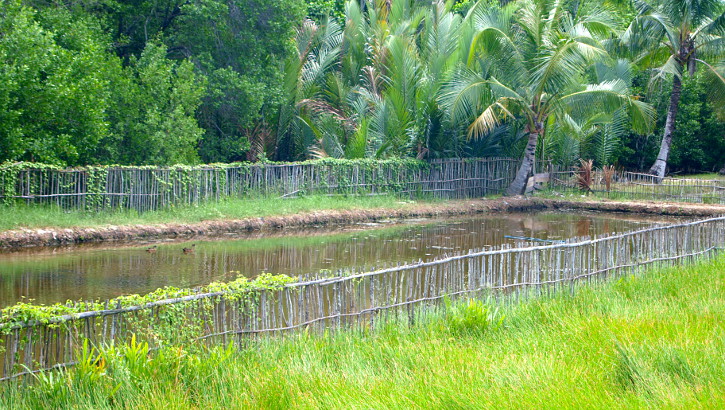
{"points": [[242, 287], [373, 88], [472, 317], [540, 53], [139, 82], [53, 87], [168, 93]]}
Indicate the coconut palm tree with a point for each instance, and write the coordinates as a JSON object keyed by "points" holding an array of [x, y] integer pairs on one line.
{"points": [[678, 36], [529, 61], [598, 134]]}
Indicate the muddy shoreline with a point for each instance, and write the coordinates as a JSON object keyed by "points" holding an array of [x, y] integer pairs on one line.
{"points": [[24, 238]]}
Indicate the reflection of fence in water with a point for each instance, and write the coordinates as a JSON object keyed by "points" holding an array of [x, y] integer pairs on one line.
{"points": [[146, 188], [644, 186], [359, 299]]}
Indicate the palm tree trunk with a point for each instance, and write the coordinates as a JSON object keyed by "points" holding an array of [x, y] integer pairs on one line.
{"points": [[518, 185], [658, 168]]}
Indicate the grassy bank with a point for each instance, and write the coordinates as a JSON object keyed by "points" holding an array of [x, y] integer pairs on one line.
{"points": [[51, 216], [655, 340], [706, 175]]}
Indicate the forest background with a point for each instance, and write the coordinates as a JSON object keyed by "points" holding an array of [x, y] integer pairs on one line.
{"points": [[163, 82]]}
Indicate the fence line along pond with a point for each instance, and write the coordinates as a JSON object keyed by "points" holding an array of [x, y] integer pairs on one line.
{"points": [[358, 299], [149, 188], [634, 185]]}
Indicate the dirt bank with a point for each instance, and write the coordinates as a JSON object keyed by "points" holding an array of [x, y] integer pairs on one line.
{"points": [[21, 238]]}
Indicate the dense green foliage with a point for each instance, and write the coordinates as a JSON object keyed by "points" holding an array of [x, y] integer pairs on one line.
{"points": [[401, 79], [529, 63], [54, 89], [699, 139], [189, 81], [653, 340], [143, 82], [678, 37], [22, 313]]}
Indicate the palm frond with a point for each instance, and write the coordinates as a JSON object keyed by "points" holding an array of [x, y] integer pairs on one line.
{"points": [[465, 94], [609, 137], [584, 175], [486, 121], [609, 96], [714, 76], [558, 68]]}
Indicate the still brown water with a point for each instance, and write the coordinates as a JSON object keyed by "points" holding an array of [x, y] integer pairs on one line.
{"points": [[102, 272]]}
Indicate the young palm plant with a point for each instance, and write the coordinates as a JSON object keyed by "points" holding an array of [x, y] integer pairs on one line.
{"points": [[528, 61], [318, 53], [372, 87], [677, 36]]}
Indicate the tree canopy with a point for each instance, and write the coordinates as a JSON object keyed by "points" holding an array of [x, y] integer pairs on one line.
{"points": [[189, 81]]}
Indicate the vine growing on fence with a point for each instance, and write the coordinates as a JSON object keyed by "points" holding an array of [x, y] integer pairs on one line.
{"points": [[184, 183], [96, 187], [239, 289], [9, 172]]}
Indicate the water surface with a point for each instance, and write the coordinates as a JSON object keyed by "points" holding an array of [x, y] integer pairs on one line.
{"points": [[101, 271]]}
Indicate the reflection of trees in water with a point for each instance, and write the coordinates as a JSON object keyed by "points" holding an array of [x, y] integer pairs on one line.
{"points": [[107, 273], [534, 225], [583, 227]]}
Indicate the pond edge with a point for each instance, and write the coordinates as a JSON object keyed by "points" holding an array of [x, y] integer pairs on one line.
{"points": [[24, 238]]}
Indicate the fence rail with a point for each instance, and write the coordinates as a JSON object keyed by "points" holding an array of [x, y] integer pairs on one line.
{"points": [[355, 299], [645, 186], [146, 188]]}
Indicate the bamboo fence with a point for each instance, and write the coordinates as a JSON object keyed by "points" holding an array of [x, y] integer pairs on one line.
{"points": [[145, 188], [645, 186], [358, 299]]}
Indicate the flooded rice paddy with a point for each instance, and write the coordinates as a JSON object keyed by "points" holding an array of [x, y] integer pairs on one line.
{"points": [[101, 271]]}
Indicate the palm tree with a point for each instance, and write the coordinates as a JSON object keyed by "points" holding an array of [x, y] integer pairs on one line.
{"points": [[305, 74], [370, 88], [679, 35], [528, 61], [596, 135]]}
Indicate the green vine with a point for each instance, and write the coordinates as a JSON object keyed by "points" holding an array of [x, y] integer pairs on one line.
{"points": [[96, 187], [184, 183], [239, 289]]}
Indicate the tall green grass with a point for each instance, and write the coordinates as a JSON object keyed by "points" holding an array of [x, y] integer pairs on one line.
{"points": [[34, 216], [654, 340]]}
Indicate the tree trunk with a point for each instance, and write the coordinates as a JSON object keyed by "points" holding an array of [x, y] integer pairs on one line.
{"points": [[658, 168], [518, 185], [722, 170]]}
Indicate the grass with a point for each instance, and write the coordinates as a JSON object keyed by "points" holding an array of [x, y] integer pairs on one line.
{"points": [[51, 216], [573, 194], [706, 175], [654, 340]]}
